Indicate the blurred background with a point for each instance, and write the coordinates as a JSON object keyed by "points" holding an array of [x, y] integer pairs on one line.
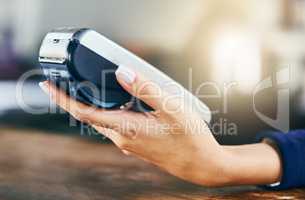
{"points": [[194, 41]]}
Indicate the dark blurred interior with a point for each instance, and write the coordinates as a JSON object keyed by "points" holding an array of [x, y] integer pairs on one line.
{"points": [[195, 41]]}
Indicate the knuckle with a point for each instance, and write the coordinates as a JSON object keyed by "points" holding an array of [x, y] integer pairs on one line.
{"points": [[145, 89], [80, 115], [132, 134], [142, 92], [76, 115]]}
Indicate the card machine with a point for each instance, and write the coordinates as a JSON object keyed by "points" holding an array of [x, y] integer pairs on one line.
{"points": [[83, 63]]}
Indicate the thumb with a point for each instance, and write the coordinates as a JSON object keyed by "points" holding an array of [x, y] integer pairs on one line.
{"points": [[139, 86]]}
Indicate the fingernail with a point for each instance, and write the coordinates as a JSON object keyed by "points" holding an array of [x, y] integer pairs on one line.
{"points": [[44, 88], [125, 74]]}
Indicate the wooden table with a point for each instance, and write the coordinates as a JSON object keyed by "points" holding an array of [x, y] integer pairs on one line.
{"points": [[41, 166]]}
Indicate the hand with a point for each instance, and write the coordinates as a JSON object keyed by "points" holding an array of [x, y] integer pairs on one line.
{"points": [[178, 141], [173, 137]]}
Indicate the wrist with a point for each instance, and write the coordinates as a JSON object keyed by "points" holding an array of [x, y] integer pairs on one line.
{"points": [[214, 170], [256, 164]]}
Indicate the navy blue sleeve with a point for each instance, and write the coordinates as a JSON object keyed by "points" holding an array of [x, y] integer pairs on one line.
{"points": [[292, 149]]}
